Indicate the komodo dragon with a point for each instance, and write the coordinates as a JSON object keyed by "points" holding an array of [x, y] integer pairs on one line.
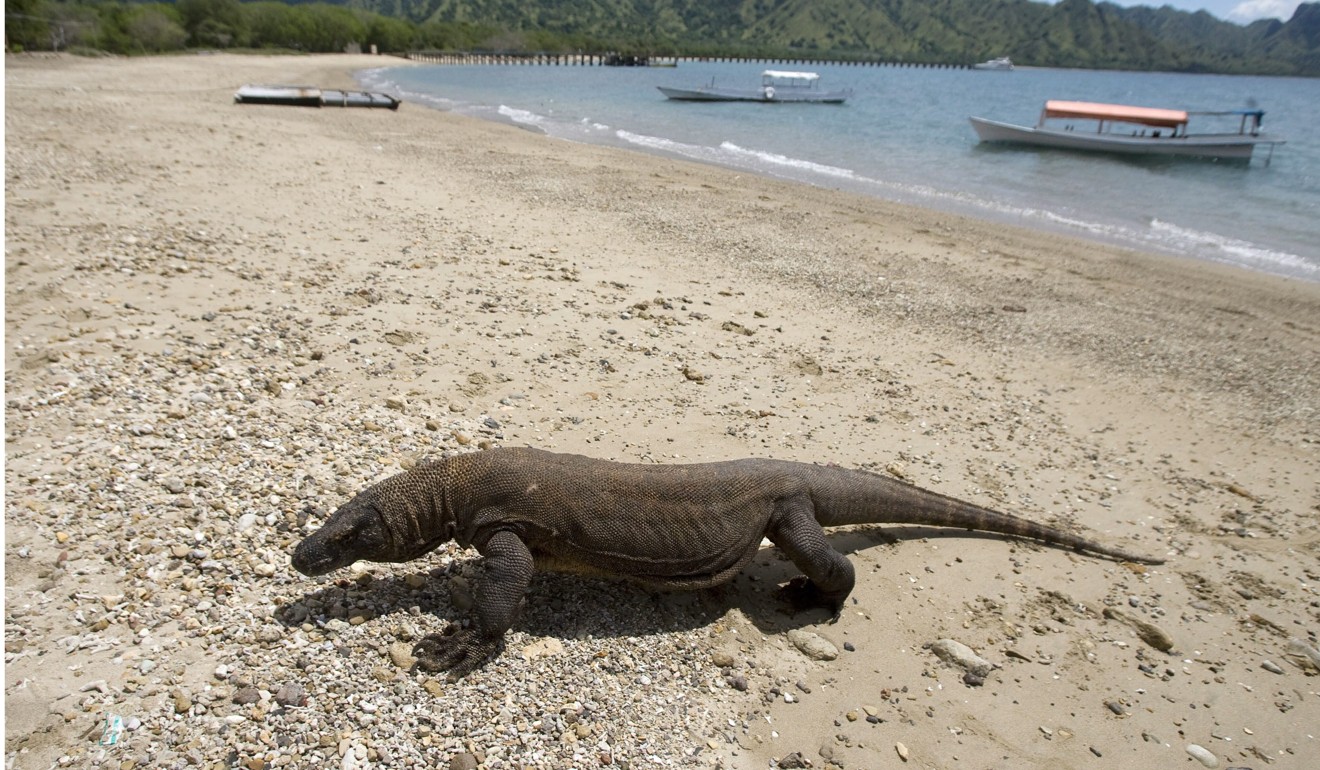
{"points": [[664, 526]]}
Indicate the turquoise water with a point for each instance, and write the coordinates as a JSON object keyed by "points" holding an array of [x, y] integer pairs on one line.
{"points": [[904, 136]]}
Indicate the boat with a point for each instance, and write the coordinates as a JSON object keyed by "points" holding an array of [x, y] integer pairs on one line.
{"points": [[1002, 64], [1119, 128], [776, 86], [310, 96]]}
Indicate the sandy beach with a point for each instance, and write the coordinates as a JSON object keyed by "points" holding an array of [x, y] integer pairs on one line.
{"points": [[224, 320]]}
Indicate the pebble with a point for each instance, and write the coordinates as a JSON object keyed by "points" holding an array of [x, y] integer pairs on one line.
{"points": [[291, 694], [1271, 667], [956, 653], [902, 751], [813, 645], [543, 648], [1203, 755], [401, 655], [182, 702]]}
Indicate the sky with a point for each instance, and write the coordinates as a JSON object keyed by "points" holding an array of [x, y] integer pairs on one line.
{"points": [[1240, 11]]}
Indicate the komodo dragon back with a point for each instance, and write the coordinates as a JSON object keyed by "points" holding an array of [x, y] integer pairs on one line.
{"points": [[666, 526]]}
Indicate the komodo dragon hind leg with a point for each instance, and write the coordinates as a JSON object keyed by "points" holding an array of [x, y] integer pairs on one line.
{"points": [[499, 598], [829, 575]]}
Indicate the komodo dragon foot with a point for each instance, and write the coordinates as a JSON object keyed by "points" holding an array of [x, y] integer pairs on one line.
{"points": [[802, 594], [460, 651]]}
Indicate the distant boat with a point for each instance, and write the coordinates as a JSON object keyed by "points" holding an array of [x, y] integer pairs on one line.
{"points": [[1120, 128], [1002, 64], [309, 96], [776, 86]]}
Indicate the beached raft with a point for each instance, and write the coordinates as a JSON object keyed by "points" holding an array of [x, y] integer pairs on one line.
{"points": [[310, 96]]}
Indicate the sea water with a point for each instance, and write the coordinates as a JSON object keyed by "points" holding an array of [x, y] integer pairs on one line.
{"points": [[904, 136]]}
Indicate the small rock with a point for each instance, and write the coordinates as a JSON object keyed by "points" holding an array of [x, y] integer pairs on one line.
{"points": [[543, 648], [1303, 655], [902, 751], [1271, 667], [182, 703], [245, 522], [434, 687], [401, 655], [813, 645], [794, 760], [721, 658], [397, 404], [463, 761], [247, 696], [1203, 755], [959, 654], [291, 695]]}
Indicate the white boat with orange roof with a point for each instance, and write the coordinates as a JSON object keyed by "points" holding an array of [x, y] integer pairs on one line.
{"points": [[1120, 128]]}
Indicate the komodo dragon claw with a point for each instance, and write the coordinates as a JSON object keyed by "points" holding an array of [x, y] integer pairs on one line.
{"points": [[802, 594], [458, 650]]}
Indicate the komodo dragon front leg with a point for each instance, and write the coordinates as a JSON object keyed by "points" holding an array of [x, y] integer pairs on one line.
{"points": [[499, 599]]}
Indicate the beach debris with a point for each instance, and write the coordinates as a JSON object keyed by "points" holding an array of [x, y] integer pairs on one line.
{"points": [[813, 645], [1203, 755], [1149, 633], [1303, 655], [958, 654]]}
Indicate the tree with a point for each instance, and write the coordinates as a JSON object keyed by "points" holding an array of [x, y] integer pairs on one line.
{"points": [[217, 23], [25, 25], [390, 35], [156, 28]]}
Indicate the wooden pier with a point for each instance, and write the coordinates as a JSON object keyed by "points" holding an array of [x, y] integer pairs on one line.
{"points": [[614, 59]]}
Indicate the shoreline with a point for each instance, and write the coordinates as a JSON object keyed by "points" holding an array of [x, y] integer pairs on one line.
{"points": [[227, 321], [1111, 229]]}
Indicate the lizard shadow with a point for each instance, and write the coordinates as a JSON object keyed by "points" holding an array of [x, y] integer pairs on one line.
{"points": [[571, 607]]}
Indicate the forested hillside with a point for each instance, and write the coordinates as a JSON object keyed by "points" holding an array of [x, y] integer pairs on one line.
{"points": [[1071, 33]]}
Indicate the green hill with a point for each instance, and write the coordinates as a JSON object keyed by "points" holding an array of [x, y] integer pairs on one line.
{"points": [[1071, 33]]}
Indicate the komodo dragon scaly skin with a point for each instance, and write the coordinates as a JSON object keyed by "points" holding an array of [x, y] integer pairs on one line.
{"points": [[664, 526]]}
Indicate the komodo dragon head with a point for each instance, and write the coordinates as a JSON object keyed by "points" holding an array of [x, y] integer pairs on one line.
{"points": [[357, 530], [388, 522]]}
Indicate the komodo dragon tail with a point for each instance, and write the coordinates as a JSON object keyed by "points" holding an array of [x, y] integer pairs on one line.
{"points": [[843, 496]]}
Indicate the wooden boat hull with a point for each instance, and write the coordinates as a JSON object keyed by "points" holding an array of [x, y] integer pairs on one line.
{"points": [[308, 96], [777, 96], [1221, 146]]}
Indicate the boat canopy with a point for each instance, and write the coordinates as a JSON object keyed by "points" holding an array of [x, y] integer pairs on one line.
{"points": [[1146, 116], [785, 75]]}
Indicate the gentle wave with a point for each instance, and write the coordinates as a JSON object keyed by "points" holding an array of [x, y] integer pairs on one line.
{"points": [[881, 165], [795, 163], [1231, 250], [523, 117]]}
